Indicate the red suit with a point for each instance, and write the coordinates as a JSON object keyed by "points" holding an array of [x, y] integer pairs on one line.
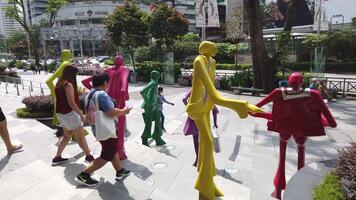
{"points": [[296, 112], [118, 90]]}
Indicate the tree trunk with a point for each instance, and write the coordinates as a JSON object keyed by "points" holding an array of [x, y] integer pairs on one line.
{"points": [[132, 55], [292, 8], [263, 66]]}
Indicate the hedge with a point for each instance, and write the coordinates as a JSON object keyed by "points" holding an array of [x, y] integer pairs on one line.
{"points": [[329, 67], [144, 70], [25, 113], [330, 189], [226, 66]]}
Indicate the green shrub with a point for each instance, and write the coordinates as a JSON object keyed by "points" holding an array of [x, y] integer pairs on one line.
{"points": [[18, 64], [109, 62], [52, 67], [39, 104], [329, 67], [330, 189], [25, 113], [12, 64], [225, 83], [144, 70], [242, 78]]}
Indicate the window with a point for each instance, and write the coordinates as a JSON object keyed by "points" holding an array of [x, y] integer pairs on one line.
{"points": [[98, 21], [68, 23]]}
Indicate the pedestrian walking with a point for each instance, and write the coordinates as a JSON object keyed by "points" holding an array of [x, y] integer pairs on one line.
{"points": [[69, 114], [102, 114], [4, 133], [160, 100]]}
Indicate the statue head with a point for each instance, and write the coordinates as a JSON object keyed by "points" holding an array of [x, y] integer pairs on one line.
{"points": [[295, 80], [119, 60], [155, 75], [66, 55], [208, 48]]}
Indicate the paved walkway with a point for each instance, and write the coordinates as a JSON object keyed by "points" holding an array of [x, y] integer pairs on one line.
{"points": [[245, 166]]}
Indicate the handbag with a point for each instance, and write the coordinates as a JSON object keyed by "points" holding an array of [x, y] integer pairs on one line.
{"points": [[216, 140], [105, 127]]}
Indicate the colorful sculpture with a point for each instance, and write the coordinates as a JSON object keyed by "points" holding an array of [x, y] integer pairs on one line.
{"points": [[296, 112], [149, 94], [191, 129], [66, 60], [118, 90], [201, 102]]}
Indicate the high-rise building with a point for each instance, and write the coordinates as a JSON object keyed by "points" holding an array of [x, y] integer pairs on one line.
{"points": [[7, 26], [35, 8]]}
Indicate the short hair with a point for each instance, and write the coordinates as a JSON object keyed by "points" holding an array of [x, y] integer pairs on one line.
{"points": [[160, 89], [99, 79]]}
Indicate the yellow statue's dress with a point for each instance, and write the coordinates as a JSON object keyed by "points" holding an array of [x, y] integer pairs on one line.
{"points": [[66, 58], [201, 102]]}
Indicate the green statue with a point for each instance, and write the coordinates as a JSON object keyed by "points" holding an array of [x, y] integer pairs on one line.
{"points": [[149, 94]]}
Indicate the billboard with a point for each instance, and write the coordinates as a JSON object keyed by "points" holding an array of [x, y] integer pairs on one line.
{"points": [[207, 11], [274, 13], [333, 12]]}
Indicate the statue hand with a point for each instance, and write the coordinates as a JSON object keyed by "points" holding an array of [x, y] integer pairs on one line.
{"points": [[254, 109]]}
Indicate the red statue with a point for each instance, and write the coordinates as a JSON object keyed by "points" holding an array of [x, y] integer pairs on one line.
{"points": [[296, 112], [118, 90]]}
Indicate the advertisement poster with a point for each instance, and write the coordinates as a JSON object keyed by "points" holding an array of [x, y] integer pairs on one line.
{"points": [[275, 12], [207, 13]]}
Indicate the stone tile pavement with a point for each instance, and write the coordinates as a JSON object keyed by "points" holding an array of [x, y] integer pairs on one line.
{"points": [[245, 167]]}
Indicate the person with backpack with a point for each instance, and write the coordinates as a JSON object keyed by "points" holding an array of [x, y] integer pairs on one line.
{"points": [[102, 115]]}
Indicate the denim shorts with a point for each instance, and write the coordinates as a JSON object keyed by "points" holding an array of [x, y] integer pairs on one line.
{"points": [[70, 121]]}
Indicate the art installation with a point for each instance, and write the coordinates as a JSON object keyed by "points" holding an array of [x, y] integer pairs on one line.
{"points": [[66, 60], [191, 129], [296, 112], [118, 90], [149, 94], [201, 102]]}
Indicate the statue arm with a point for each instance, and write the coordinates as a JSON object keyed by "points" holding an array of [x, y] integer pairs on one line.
{"points": [[145, 91], [86, 83], [325, 110], [265, 101], [240, 107], [56, 74]]}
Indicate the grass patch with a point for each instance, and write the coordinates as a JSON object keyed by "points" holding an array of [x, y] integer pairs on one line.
{"points": [[25, 113], [330, 189]]}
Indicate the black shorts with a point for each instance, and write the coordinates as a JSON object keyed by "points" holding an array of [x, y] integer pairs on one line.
{"points": [[108, 149], [2, 116]]}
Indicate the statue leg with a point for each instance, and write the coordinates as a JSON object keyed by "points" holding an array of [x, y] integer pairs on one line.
{"points": [[157, 133], [206, 164], [196, 148], [121, 137], [147, 118], [280, 177], [301, 150]]}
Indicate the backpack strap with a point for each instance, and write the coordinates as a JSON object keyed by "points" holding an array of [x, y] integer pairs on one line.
{"points": [[90, 97]]}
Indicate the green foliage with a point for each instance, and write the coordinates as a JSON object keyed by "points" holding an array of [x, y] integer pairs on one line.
{"points": [[282, 44], [144, 69], [329, 67], [342, 45], [52, 67], [314, 40], [242, 78], [126, 28], [17, 44], [52, 9], [151, 53], [330, 189], [25, 113], [226, 53], [189, 37], [166, 24], [225, 83], [353, 23], [18, 64]]}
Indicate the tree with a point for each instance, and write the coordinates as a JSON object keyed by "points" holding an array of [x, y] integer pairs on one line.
{"points": [[16, 10], [52, 9], [166, 24], [126, 28], [17, 44], [264, 66]]}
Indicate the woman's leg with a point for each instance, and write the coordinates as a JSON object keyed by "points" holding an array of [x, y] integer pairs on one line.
{"points": [[80, 137], [67, 135], [196, 147], [4, 133]]}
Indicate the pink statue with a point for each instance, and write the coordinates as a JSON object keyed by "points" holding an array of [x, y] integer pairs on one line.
{"points": [[118, 90], [296, 112]]}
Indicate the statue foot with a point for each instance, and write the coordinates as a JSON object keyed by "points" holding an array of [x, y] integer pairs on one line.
{"points": [[218, 192], [160, 142], [145, 142], [276, 193]]}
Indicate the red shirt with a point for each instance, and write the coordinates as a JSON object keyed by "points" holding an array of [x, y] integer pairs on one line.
{"points": [[62, 105], [297, 114]]}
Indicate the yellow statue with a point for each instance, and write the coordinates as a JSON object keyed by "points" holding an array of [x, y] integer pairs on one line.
{"points": [[201, 102], [66, 60]]}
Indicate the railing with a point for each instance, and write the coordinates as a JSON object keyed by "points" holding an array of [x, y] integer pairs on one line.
{"points": [[189, 72], [346, 86], [23, 86]]}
